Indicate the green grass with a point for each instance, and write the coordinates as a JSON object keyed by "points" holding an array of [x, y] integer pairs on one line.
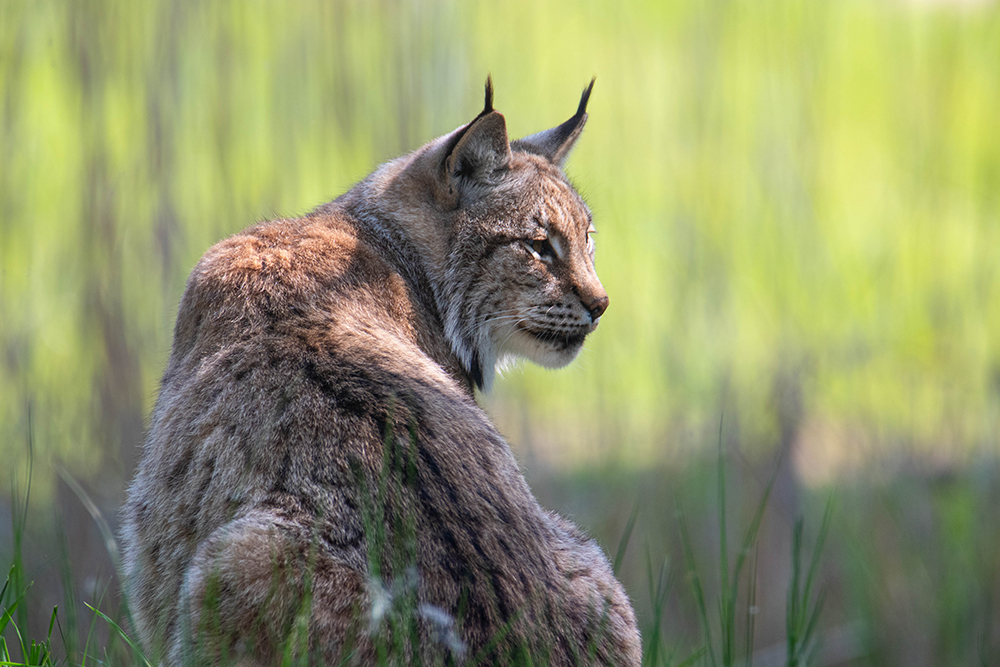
{"points": [[395, 625], [900, 573]]}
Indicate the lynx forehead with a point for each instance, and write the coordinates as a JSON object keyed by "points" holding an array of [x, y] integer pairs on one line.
{"points": [[316, 452]]}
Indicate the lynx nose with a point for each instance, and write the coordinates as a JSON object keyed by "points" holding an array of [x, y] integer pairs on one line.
{"points": [[598, 304], [592, 297]]}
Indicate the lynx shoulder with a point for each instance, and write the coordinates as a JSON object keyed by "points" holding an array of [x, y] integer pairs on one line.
{"points": [[318, 479]]}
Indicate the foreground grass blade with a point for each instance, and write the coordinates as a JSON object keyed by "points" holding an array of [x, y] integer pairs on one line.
{"points": [[626, 537], [727, 594], [660, 590], [137, 651], [800, 620], [699, 592]]}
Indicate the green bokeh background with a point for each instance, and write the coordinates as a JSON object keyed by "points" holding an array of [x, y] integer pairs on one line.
{"points": [[786, 192], [798, 205]]}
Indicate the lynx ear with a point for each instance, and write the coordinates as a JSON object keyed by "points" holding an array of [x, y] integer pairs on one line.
{"points": [[555, 144], [478, 151]]}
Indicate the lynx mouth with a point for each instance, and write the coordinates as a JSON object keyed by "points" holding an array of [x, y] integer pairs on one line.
{"points": [[557, 339]]}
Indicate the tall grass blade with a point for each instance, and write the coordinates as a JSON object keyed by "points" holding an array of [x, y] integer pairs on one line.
{"points": [[699, 592], [3, 596], [792, 608], [753, 529], [136, 649], [69, 635], [8, 614], [110, 545], [495, 640], [817, 550], [693, 658], [801, 621], [727, 603], [626, 537], [102, 524], [660, 590], [20, 522], [751, 618]]}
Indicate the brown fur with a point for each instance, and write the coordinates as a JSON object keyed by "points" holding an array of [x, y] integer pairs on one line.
{"points": [[318, 477]]}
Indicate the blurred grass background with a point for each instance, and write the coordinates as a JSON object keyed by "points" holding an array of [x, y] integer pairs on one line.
{"points": [[799, 214]]}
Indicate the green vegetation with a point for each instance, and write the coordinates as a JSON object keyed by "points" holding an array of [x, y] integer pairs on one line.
{"points": [[396, 613], [799, 214]]}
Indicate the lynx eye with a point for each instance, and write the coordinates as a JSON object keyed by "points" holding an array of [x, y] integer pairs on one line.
{"points": [[541, 248]]}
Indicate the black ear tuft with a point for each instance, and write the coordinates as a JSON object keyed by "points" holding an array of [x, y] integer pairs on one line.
{"points": [[580, 110], [488, 107], [555, 144], [476, 153]]}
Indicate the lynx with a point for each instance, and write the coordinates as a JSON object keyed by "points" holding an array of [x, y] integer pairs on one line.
{"points": [[318, 480]]}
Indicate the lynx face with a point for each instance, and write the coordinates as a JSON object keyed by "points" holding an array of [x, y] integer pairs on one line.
{"points": [[550, 298]]}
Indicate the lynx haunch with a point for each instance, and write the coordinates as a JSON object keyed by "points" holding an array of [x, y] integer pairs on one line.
{"points": [[318, 479]]}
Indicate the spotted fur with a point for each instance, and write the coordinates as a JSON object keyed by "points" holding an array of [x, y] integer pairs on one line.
{"points": [[316, 455]]}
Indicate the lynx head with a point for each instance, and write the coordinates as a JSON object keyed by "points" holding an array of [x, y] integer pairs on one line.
{"points": [[511, 259]]}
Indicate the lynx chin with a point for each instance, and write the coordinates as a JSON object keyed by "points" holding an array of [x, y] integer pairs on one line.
{"points": [[318, 480]]}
